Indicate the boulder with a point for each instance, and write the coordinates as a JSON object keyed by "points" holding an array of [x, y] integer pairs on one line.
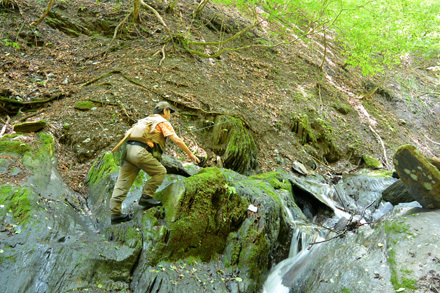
{"points": [[372, 162], [49, 242], [397, 193], [235, 144], [84, 105], [421, 177], [27, 127], [435, 161], [174, 166]]}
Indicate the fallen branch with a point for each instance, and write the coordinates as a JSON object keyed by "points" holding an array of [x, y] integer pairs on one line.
{"points": [[37, 22], [160, 19], [163, 55], [430, 139], [4, 126], [351, 225], [382, 144]]}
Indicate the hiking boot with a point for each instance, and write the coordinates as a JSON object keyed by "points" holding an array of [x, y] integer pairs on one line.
{"points": [[149, 202], [119, 218]]}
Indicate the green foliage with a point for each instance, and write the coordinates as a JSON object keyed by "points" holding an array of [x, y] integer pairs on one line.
{"points": [[11, 43], [374, 34], [396, 227]]}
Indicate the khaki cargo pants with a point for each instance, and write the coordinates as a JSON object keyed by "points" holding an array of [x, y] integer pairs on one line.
{"points": [[137, 158]]}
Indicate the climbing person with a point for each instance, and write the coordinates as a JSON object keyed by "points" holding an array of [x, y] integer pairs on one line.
{"points": [[145, 144]]}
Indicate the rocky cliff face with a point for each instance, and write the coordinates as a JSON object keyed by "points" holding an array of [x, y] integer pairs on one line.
{"points": [[52, 241], [217, 231]]}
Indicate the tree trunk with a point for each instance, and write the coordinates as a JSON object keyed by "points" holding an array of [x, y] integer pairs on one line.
{"points": [[136, 6]]}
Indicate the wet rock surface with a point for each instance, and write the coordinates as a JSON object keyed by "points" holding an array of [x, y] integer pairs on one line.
{"points": [[421, 177], [205, 238]]}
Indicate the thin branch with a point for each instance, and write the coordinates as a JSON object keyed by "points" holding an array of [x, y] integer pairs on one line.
{"points": [[163, 55], [160, 19], [382, 144], [37, 22], [4, 126], [119, 25], [363, 212]]}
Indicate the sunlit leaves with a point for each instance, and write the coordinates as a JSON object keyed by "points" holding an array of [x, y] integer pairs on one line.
{"points": [[374, 34]]}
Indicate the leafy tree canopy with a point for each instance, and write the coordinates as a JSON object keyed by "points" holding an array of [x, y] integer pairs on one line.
{"points": [[374, 34]]}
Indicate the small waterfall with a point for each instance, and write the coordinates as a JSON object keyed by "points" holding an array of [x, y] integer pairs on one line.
{"points": [[298, 254]]}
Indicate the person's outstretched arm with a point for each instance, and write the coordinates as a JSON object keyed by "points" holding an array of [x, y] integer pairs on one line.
{"points": [[179, 142]]}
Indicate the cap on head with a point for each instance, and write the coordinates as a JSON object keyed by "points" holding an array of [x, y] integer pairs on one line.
{"points": [[164, 105]]}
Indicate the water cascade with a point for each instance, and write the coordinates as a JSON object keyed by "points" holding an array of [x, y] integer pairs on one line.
{"points": [[355, 194]]}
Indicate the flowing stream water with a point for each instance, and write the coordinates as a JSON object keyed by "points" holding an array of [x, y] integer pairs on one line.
{"points": [[295, 267]]}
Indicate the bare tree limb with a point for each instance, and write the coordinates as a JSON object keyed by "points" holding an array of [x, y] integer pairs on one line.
{"points": [[160, 19], [37, 22], [119, 25], [163, 55], [4, 126]]}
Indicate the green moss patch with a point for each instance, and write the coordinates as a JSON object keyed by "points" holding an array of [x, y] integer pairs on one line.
{"points": [[84, 105], [396, 230], [274, 179], [9, 146], [102, 167], [201, 214], [371, 162], [15, 200]]}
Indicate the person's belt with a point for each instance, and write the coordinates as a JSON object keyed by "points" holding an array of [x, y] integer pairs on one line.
{"points": [[141, 144]]}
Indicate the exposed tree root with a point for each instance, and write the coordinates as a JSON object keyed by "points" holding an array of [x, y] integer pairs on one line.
{"points": [[160, 19], [119, 25], [382, 144], [434, 142], [4, 126], [37, 22], [163, 56], [116, 71]]}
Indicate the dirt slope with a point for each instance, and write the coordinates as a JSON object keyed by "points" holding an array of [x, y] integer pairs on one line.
{"points": [[296, 110]]}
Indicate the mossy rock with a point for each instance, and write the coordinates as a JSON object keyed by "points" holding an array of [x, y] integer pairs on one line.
{"points": [[421, 177], [17, 200], [84, 105], [235, 143], [371, 162], [10, 145], [101, 167], [201, 211], [27, 127], [316, 132]]}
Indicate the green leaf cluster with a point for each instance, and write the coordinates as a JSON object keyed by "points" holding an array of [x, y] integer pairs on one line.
{"points": [[374, 35]]}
